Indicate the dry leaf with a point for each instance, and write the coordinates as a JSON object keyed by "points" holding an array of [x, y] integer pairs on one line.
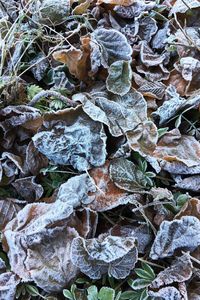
{"points": [[176, 147], [190, 208]]}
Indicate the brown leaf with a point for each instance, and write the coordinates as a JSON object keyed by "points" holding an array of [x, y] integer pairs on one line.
{"points": [[8, 210], [116, 2], [144, 138], [176, 147], [190, 208], [81, 8], [28, 189], [107, 194], [177, 81], [77, 60], [34, 160], [38, 243]]}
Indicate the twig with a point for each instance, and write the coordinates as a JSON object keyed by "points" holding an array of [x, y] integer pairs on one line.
{"points": [[49, 93]]}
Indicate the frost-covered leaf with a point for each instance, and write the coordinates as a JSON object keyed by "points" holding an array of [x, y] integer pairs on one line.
{"points": [[14, 118], [8, 210], [119, 113], [116, 2], [191, 183], [28, 189], [180, 6], [34, 160], [70, 137], [179, 271], [52, 12], [147, 28], [77, 190], [113, 43], [166, 293], [148, 57], [176, 234], [125, 175], [107, 194], [119, 77], [107, 254], [38, 243], [143, 138], [175, 104], [174, 147], [142, 234], [148, 88], [39, 65], [134, 10], [8, 284]]}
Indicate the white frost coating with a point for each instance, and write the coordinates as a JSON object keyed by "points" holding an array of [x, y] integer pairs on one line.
{"points": [[107, 254], [113, 43], [8, 284], [166, 293], [39, 242], [176, 234], [75, 190], [80, 141]]}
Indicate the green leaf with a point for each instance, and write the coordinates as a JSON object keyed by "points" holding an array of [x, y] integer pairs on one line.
{"points": [[32, 290], [33, 90], [139, 283], [92, 293], [162, 131], [178, 121], [68, 294], [149, 270], [106, 293], [143, 274], [119, 77]]}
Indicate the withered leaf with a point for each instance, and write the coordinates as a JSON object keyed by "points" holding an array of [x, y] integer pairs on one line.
{"points": [[179, 271], [191, 183], [107, 194], [107, 254], [182, 6], [134, 10], [116, 2], [70, 137], [28, 189], [38, 243], [14, 117], [190, 208], [142, 234], [147, 28], [76, 59], [119, 77], [8, 210], [166, 293], [125, 175], [8, 285], [143, 138], [148, 57], [119, 113], [176, 234], [113, 43], [174, 147]]}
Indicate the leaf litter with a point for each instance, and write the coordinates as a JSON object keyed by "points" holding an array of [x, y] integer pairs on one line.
{"points": [[100, 149]]}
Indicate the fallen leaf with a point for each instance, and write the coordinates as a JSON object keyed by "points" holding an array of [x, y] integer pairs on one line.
{"points": [[107, 254], [28, 189], [119, 77], [8, 210], [190, 208], [70, 137], [176, 147], [174, 235], [191, 183], [166, 293]]}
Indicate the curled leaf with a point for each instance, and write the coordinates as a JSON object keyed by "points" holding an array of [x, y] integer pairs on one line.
{"points": [[113, 43], [107, 254], [179, 271], [8, 285], [174, 147], [166, 293], [176, 234], [28, 189]]}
